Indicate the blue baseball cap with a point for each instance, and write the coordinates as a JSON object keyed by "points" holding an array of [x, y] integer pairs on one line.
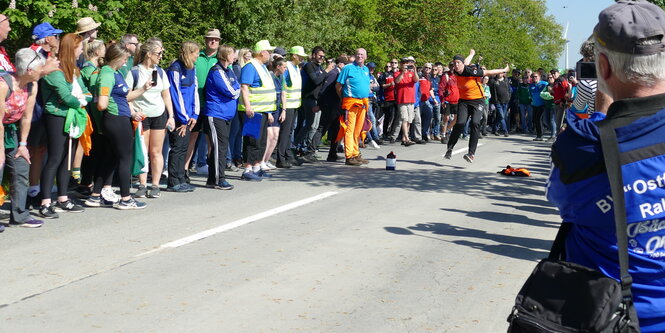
{"points": [[44, 30], [371, 65]]}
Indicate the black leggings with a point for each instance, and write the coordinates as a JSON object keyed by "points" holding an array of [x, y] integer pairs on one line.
{"points": [[537, 119], [56, 162], [120, 133]]}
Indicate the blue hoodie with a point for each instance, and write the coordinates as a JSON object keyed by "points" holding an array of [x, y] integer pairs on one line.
{"points": [[579, 187], [222, 92], [184, 92]]}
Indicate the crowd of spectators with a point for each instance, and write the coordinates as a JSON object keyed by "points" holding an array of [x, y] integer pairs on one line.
{"points": [[84, 117]]}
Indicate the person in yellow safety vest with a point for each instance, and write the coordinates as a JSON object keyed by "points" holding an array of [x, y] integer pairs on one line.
{"points": [[293, 90], [257, 96]]}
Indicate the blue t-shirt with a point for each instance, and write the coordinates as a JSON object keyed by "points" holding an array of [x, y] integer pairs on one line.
{"points": [[534, 90], [435, 86], [417, 91], [355, 81], [250, 76]]}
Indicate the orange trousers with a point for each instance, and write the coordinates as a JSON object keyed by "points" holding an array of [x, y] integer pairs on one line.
{"points": [[355, 108]]}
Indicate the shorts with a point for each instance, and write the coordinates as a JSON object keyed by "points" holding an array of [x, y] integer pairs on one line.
{"points": [[37, 135], [275, 116], [450, 109], [156, 123], [406, 112]]}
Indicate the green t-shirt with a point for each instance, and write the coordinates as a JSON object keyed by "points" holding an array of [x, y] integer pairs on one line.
{"points": [[127, 66], [203, 65], [110, 83], [86, 72]]}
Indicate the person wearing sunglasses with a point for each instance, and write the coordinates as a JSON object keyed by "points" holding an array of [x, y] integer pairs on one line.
{"points": [[149, 94]]}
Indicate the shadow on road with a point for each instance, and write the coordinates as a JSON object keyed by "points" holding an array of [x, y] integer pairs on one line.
{"points": [[524, 248]]}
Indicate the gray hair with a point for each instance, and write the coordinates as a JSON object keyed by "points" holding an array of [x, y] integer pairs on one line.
{"points": [[28, 59], [127, 38], [645, 70]]}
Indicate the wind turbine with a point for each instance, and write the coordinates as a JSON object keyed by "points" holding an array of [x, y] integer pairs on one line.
{"points": [[565, 36]]}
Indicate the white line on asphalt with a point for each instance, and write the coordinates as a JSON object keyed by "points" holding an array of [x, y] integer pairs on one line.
{"points": [[239, 223]]}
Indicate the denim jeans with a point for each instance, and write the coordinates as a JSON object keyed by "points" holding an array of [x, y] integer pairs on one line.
{"points": [[436, 119], [426, 116], [526, 117], [550, 118], [500, 120], [373, 134]]}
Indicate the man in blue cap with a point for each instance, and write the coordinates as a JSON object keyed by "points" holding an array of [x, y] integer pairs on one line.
{"points": [[46, 39]]}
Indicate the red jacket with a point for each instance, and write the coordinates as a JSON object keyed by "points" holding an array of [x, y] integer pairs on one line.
{"points": [[448, 91], [561, 87], [425, 87]]}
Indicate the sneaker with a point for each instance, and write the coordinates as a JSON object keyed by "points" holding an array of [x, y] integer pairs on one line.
{"points": [[153, 192], [449, 154], [551, 138], [232, 167], [250, 176], [93, 201], [83, 190], [468, 158], [33, 202], [444, 140], [180, 188], [283, 165], [48, 211], [141, 191], [310, 158], [271, 165], [202, 170], [31, 222], [263, 174], [332, 157], [130, 204], [68, 206], [222, 185], [505, 135], [264, 166], [190, 188], [374, 144], [109, 195]]}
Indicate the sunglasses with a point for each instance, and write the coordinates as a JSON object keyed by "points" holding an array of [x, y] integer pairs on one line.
{"points": [[33, 60], [428, 67], [393, 62], [159, 53], [534, 75]]}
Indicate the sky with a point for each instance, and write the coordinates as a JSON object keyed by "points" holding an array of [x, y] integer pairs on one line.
{"points": [[581, 16]]}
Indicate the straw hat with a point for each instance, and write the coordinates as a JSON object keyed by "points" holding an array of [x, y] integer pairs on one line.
{"points": [[86, 24]]}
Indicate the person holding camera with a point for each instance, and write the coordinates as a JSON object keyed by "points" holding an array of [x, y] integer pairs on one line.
{"points": [[153, 100], [630, 66], [405, 83]]}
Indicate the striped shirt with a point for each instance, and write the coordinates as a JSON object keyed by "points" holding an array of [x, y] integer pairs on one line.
{"points": [[586, 95]]}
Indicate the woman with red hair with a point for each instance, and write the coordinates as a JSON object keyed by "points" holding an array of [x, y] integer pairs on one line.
{"points": [[63, 92]]}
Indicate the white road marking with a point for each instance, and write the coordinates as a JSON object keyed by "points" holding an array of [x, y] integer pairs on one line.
{"points": [[239, 223], [462, 150]]}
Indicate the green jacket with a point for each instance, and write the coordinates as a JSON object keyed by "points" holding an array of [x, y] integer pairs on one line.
{"points": [[56, 93]]}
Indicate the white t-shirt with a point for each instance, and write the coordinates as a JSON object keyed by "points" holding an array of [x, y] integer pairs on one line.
{"points": [[151, 102]]}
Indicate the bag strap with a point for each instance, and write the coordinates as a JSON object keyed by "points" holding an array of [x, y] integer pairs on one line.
{"points": [[610, 146], [558, 250]]}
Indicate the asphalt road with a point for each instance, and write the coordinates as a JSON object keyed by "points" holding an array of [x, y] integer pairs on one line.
{"points": [[434, 246]]}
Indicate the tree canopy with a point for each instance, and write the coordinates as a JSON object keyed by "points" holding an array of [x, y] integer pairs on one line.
{"points": [[502, 31]]}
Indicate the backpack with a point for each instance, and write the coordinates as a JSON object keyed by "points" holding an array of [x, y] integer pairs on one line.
{"points": [[135, 75], [14, 102]]}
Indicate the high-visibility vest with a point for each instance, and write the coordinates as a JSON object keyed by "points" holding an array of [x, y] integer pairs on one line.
{"points": [[293, 93], [263, 98]]}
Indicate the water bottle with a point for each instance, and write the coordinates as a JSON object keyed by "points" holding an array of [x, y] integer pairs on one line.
{"points": [[391, 161]]}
